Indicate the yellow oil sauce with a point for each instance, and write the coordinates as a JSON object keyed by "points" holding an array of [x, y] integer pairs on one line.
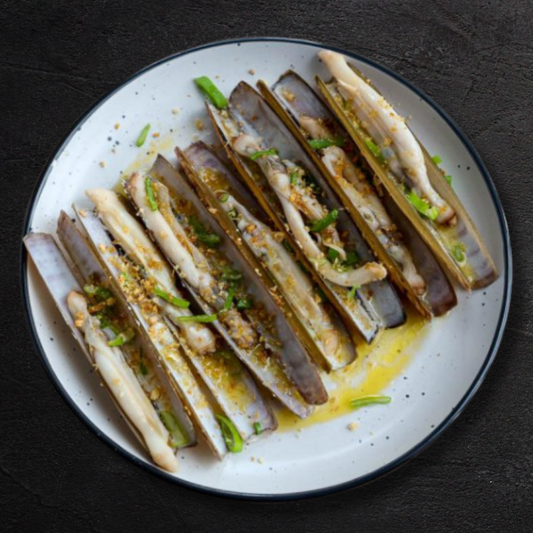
{"points": [[376, 367]]}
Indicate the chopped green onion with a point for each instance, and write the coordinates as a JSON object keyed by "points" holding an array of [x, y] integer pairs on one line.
{"points": [[458, 252], [437, 159], [150, 193], [171, 299], [230, 274], [105, 323], [376, 150], [258, 428], [422, 206], [319, 144], [196, 318], [100, 293], [321, 294], [122, 338], [353, 290], [142, 137], [229, 299], [263, 153], [232, 213], [224, 197], [332, 255], [244, 303], [211, 240], [231, 436], [323, 223], [363, 401], [448, 178], [294, 177], [142, 368], [352, 258], [125, 275], [172, 424], [211, 91], [287, 246]]}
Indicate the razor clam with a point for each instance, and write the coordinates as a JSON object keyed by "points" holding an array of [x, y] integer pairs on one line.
{"points": [[125, 277], [219, 279], [116, 375], [293, 192], [418, 275], [406, 170], [151, 377], [243, 220]]}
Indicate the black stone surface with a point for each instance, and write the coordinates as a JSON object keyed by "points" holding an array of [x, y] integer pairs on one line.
{"points": [[473, 58]]}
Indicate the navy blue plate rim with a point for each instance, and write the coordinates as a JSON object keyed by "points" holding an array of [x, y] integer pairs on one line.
{"points": [[393, 465]]}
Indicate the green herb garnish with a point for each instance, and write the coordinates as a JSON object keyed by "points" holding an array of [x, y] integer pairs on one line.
{"points": [[287, 246], [99, 293], [353, 290], [122, 338], [376, 151], [323, 223], [422, 206], [244, 303], [142, 368], [352, 258], [263, 153], [231, 436], [319, 144], [211, 240], [458, 252], [363, 401], [171, 299], [448, 178], [224, 197], [177, 435], [332, 255], [196, 318], [437, 159], [293, 177], [142, 137], [150, 195], [258, 428], [230, 274], [211, 91], [229, 298]]}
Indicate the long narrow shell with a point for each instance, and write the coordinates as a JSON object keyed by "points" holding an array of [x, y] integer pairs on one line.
{"points": [[478, 270], [332, 346], [168, 351], [377, 304], [152, 377], [294, 101], [116, 376], [290, 358]]}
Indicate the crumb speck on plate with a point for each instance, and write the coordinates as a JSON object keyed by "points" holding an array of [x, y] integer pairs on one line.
{"points": [[260, 460], [103, 164], [175, 111], [117, 125], [352, 426], [199, 124], [251, 71]]}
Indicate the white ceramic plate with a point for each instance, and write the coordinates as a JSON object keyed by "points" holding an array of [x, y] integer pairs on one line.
{"points": [[450, 361]]}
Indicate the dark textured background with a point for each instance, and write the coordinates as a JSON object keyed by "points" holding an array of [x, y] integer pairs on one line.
{"points": [[57, 57]]}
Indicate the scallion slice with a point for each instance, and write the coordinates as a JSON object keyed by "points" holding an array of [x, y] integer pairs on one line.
{"points": [[211, 91], [293, 177], [150, 195], [211, 240], [230, 274], [371, 399], [196, 318], [437, 159], [448, 178], [229, 298], [352, 258], [122, 338], [224, 197], [142, 136], [458, 252], [319, 144], [332, 255], [376, 151], [177, 436], [323, 223], [231, 436], [100, 293], [244, 303], [171, 299], [422, 206], [352, 292], [258, 428], [263, 153]]}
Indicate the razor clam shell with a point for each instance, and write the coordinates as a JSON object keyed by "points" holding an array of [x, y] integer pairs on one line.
{"points": [[58, 278], [292, 97], [199, 156], [377, 304], [87, 267], [174, 362], [479, 270], [304, 384]]}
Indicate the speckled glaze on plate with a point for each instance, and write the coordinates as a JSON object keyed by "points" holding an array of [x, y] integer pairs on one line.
{"points": [[451, 359]]}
